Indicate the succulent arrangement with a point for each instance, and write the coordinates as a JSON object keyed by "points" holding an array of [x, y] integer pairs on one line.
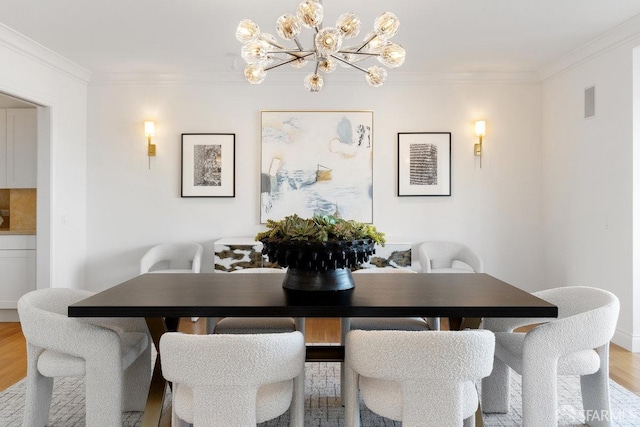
{"points": [[320, 228]]}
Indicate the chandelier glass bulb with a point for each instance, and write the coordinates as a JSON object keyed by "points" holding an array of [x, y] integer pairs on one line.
{"points": [[254, 52], [386, 25], [392, 55], [247, 30], [254, 73], [328, 41], [327, 65], [313, 82], [376, 76], [349, 25], [310, 13], [263, 52], [288, 26]]}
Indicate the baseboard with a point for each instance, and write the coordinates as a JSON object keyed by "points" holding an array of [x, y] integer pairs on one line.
{"points": [[9, 315], [626, 341]]}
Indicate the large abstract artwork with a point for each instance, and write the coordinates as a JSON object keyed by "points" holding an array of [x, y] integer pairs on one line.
{"points": [[208, 165], [317, 162], [424, 164]]}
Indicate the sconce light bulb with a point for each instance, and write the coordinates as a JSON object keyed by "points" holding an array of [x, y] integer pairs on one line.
{"points": [[149, 128]]}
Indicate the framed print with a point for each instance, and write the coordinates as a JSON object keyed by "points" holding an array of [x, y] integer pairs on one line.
{"points": [[317, 162], [424, 164], [208, 165]]}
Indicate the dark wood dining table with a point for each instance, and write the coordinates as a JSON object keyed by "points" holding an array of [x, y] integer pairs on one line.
{"points": [[163, 298]]}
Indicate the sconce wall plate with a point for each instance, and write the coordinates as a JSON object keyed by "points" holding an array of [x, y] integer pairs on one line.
{"points": [[477, 148], [149, 132], [481, 129]]}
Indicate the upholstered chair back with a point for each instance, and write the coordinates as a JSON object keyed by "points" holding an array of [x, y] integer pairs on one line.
{"points": [[440, 255], [172, 257]]}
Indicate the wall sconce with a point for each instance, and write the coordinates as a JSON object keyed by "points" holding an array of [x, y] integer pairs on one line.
{"points": [[481, 128], [149, 132]]}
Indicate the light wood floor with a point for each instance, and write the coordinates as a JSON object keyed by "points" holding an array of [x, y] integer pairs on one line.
{"points": [[624, 365]]}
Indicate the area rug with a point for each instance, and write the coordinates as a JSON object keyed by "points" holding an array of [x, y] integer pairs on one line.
{"points": [[322, 404]]}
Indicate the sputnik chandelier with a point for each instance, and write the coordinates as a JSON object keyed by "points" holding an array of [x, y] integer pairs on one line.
{"points": [[263, 52]]}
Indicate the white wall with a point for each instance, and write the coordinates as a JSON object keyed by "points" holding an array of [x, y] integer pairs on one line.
{"points": [[496, 210], [588, 171], [35, 74]]}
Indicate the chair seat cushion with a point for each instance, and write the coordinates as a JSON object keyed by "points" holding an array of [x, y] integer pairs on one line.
{"points": [[56, 364], [384, 397], [255, 325], [389, 323], [509, 347], [273, 400]]}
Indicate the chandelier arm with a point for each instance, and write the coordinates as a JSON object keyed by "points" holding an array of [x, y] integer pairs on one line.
{"points": [[369, 40], [295, 53], [300, 48], [287, 62], [298, 53], [350, 64], [282, 48], [279, 46], [359, 53]]}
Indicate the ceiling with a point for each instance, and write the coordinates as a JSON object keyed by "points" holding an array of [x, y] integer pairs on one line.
{"points": [[197, 36]]}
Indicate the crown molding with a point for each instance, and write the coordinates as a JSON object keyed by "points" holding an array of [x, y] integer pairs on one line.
{"points": [[28, 48], [164, 79], [296, 78], [617, 36], [430, 78]]}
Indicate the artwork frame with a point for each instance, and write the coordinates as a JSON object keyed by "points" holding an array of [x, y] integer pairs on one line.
{"points": [[424, 164], [208, 165], [316, 162]]}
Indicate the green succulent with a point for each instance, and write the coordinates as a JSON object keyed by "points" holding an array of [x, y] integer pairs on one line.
{"points": [[320, 228]]}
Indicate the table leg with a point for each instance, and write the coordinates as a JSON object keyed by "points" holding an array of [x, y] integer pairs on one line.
{"points": [[155, 399], [455, 323], [158, 387], [471, 323]]}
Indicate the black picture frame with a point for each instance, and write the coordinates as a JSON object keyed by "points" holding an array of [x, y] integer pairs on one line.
{"points": [[424, 164], [208, 165]]}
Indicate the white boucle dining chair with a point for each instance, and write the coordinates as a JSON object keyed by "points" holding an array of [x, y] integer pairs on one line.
{"points": [[114, 356], [439, 256], [382, 323], [233, 380], [255, 325], [576, 343], [424, 379], [173, 258], [448, 257]]}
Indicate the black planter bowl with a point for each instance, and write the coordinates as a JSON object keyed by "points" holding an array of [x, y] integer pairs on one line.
{"points": [[318, 266]]}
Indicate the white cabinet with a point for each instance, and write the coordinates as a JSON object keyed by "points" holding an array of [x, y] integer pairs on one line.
{"points": [[18, 147], [17, 269]]}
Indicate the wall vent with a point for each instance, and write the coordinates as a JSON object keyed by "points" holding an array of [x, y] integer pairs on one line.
{"points": [[589, 102]]}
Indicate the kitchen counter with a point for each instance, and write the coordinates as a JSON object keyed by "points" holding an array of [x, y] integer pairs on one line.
{"points": [[10, 232]]}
